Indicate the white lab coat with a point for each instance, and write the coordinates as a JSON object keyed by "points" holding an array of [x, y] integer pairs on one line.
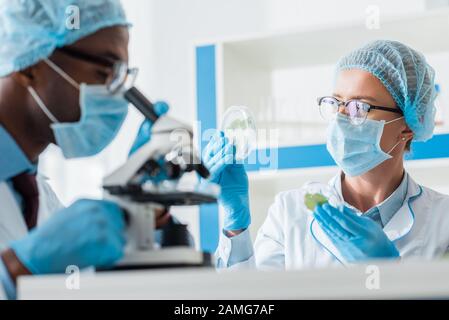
{"points": [[12, 222], [290, 238]]}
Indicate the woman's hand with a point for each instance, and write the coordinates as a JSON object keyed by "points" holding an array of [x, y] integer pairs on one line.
{"points": [[357, 238], [219, 158]]}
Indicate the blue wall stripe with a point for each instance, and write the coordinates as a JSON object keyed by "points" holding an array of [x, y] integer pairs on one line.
{"points": [[437, 147], [308, 156], [207, 117], [290, 158]]}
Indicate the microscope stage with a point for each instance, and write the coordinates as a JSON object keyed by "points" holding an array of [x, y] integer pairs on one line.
{"points": [[171, 257]]}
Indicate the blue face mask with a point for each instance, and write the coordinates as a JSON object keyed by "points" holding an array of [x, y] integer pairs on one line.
{"points": [[356, 149], [102, 116]]}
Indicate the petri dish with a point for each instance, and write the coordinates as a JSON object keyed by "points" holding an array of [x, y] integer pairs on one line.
{"points": [[239, 127], [314, 193]]}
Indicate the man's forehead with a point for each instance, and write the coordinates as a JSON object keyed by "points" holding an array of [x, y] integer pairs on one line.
{"points": [[109, 42]]}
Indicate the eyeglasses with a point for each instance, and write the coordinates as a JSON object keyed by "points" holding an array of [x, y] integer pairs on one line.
{"points": [[122, 76], [356, 110]]}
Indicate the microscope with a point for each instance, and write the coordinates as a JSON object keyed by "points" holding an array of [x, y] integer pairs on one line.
{"points": [[148, 183]]}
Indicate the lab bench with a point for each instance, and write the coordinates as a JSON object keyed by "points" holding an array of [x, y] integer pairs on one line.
{"points": [[409, 280]]}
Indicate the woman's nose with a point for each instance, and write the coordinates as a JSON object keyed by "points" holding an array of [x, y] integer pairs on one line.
{"points": [[342, 110]]}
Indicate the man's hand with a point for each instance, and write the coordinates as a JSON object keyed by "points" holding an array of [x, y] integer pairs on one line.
{"points": [[144, 133], [13, 265], [88, 233]]}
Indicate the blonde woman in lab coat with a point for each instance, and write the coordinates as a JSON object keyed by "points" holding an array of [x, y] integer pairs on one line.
{"points": [[383, 99]]}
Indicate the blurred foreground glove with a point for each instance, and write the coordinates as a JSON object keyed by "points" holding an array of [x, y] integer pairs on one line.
{"points": [[219, 158], [88, 233], [144, 134], [357, 238]]}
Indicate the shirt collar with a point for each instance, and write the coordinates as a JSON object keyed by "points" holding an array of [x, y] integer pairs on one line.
{"points": [[393, 203], [13, 161], [389, 206]]}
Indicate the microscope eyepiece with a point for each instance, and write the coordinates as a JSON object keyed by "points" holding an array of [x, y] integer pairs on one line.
{"points": [[138, 100]]}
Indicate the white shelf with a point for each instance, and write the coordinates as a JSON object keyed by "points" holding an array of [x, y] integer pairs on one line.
{"points": [[324, 44], [279, 75], [426, 172]]}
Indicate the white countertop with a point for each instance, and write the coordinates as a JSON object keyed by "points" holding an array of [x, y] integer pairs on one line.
{"points": [[397, 281]]}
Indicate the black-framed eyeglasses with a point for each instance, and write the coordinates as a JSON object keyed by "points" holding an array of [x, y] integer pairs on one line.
{"points": [[122, 75], [356, 110]]}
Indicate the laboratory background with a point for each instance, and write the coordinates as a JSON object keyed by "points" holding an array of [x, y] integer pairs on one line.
{"points": [[275, 57]]}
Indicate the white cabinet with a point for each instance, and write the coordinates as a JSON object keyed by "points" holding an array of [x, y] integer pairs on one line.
{"points": [[279, 76]]}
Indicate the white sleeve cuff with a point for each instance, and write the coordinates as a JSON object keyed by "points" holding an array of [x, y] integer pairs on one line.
{"points": [[233, 250]]}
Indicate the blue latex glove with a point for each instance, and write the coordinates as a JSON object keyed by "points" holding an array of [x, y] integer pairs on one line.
{"points": [[357, 238], [88, 233], [144, 134], [219, 158]]}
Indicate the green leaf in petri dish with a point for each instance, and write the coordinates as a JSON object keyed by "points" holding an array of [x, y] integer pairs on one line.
{"points": [[312, 200], [238, 124]]}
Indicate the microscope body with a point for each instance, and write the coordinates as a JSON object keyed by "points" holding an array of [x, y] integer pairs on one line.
{"points": [[138, 188]]}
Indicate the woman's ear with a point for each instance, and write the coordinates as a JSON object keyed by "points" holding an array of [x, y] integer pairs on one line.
{"points": [[407, 134]]}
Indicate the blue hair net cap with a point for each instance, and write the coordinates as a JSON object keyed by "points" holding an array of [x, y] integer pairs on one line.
{"points": [[30, 30], [406, 75]]}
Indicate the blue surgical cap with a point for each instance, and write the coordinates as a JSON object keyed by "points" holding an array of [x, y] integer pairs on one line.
{"points": [[406, 75], [30, 30]]}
